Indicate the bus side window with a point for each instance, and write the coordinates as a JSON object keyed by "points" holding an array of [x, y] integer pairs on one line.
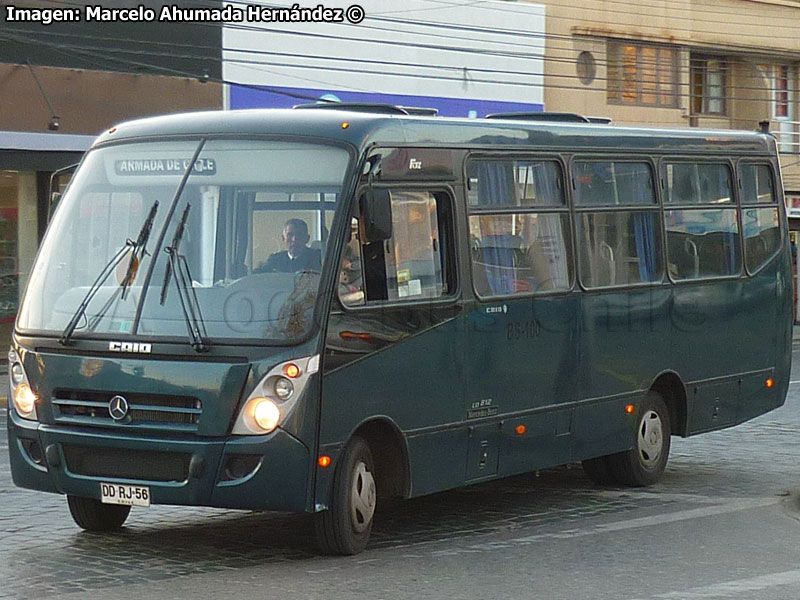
{"points": [[351, 274], [413, 264]]}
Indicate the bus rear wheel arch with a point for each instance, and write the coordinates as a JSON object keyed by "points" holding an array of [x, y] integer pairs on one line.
{"points": [[645, 462]]}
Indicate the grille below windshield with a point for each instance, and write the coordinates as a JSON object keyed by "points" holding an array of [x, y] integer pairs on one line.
{"points": [[83, 407]]}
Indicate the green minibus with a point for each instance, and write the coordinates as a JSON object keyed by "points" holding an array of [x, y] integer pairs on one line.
{"points": [[312, 309]]}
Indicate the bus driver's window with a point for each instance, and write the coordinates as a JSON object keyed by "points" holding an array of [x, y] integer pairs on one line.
{"points": [[351, 280]]}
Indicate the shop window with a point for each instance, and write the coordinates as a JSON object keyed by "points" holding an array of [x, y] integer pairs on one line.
{"points": [[9, 255]]}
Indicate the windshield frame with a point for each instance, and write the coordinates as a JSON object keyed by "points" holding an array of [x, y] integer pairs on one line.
{"points": [[325, 289]]}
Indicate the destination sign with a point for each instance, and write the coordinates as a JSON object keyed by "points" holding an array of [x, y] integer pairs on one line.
{"points": [[164, 166]]}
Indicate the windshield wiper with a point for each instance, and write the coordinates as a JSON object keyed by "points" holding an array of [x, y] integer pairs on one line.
{"points": [[136, 249], [179, 267], [139, 250]]}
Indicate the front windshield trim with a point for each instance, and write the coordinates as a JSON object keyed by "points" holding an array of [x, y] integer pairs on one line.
{"points": [[343, 191]]}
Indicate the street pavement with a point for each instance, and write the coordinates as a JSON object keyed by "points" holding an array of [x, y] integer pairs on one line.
{"points": [[723, 523]]}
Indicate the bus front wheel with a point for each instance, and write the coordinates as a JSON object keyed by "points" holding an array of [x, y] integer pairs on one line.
{"points": [[93, 515], [345, 527], [645, 463]]}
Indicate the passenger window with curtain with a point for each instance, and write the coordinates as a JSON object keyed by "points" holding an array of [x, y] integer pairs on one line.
{"points": [[760, 216], [701, 224], [416, 263], [617, 223], [519, 227]]}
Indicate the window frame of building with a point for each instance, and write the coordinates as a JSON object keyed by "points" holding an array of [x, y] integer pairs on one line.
{"points": [[642, 74], [708, 73], [782, 108]]}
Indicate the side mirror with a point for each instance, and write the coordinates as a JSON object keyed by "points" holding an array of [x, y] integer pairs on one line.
{"points": [[376, 215], [54, 198], [58, 180]]}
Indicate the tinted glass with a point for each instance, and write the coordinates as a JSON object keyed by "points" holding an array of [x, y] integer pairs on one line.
{"points": [[698, 183], [757, 184], [619, 248], [762, 235], [519, 253], [509, 183], [702, 243], [612, 183]]}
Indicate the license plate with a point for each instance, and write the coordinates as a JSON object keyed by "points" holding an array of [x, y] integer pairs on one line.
{"points": [[129, 495]]}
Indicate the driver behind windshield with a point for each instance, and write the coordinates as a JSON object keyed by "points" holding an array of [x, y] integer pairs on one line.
{"points": [[297, 256]]}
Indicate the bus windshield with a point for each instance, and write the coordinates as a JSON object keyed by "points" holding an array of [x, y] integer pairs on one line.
{"points": [[150, 233]]}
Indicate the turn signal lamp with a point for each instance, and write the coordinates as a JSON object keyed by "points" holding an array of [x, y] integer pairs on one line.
{"points": [[291, 370], [769, 382], [630, 408], [324, 461], [521, 429], [345, 125]]}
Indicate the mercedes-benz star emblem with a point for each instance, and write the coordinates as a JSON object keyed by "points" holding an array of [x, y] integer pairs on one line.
{"points": [[118, 408]]}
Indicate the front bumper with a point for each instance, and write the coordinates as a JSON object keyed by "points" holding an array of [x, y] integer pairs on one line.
{"points": [[272, 470]]}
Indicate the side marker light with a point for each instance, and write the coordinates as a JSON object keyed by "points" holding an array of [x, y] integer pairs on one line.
{"points": [[521, 429], [324, 461], [630, 408], [769, 382], [345, 125]]}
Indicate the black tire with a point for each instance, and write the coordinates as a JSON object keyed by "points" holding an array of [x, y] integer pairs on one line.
{"points": [[345, 527], [93, 515], [644, 464], [599, 470]]}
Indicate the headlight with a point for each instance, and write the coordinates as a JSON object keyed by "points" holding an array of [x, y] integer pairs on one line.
{"points": [[25, 401], [17, 374], [275, 396], [265, 413], [22, 396], [283, 388]]}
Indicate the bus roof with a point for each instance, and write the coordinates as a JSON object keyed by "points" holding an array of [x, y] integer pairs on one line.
{"points": [[364, 128]]}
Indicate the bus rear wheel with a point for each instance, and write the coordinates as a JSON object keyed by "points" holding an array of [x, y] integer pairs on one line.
{"points": [[93, 515], [644, 464], [345, 527]]}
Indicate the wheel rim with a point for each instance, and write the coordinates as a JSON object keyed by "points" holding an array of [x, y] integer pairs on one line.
{"points": [[362, 498], [650, 441]]}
